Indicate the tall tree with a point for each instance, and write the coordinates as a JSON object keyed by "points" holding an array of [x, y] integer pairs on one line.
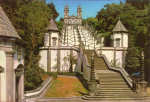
{"points": [[53, 9], [60, 24], [139, 4], [147, 49], [31, 21]]}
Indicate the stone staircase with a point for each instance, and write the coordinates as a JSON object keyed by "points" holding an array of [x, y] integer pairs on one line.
{"points": [[111, 84]]}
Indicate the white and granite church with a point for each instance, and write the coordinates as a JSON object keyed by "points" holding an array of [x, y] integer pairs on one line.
{"points": [[60, 45]]}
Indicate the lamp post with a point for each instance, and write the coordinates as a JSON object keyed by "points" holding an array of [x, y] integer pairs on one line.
{"points": [[142, 67], [92, 82], [142, 84]]}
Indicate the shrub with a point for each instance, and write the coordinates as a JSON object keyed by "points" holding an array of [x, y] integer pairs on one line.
{"points": [[67, 73], [53, 74]]}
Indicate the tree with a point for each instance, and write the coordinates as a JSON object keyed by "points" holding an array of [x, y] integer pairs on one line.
{"points": [[133, 63], [53, 9], [147, 49], [60, 24], [139, 4], [31, 21]]}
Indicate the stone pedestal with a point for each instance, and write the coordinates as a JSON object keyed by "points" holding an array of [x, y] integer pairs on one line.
{"points": [[21, 89], [92, 88], [141, 88]]}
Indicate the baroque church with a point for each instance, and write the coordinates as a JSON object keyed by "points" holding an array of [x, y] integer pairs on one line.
{"points": [[60, 46]]}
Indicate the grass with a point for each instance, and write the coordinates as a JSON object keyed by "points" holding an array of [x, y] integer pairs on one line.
{"points": [[44, 76], [66, 87]]}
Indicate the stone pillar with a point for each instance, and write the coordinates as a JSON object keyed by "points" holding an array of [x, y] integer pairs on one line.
{"points": [[49, 55], [21, 89], [10, 78], [92, 83], [58, 56], [48, 60], [142, 84], [114, 62]]}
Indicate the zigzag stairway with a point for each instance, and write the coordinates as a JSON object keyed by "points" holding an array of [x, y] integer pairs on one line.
{"points": [[112, 84]]}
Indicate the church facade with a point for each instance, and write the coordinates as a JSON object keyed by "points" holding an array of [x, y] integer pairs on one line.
{"points": [[60, 46]]}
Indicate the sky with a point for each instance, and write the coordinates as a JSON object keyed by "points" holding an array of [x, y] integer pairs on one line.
{"points": [[89, 7]]}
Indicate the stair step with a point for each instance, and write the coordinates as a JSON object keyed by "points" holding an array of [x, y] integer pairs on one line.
{"points": [[114, 86], [111, 79], [113, 83], [108, 74], [111, 98], [115, 93]]}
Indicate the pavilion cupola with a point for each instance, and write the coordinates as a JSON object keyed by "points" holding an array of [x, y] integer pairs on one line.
{"points": [[52, 36], [120, 35]]}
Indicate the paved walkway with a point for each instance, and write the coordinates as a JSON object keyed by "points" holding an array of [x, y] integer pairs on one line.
{"points": [[80, 100]]}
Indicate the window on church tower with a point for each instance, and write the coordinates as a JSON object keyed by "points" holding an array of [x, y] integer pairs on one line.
{"points": [[118, 42], [54, 41]]}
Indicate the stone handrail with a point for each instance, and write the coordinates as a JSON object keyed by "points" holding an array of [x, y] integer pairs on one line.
{"points": [[121, 70], [39, 90], [87, 66], [60, 48]]}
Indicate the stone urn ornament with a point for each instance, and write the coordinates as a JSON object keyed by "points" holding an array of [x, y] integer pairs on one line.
{"points": [[19, 70]]}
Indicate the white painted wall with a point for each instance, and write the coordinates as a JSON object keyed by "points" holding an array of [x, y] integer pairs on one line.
{"points": [[109, 55], [125, 40], [3, 76], [46, 39], [43, 60], [64, 60], [54, 35], [54, 60], [112, 54], [118, 59], [123, 37]]}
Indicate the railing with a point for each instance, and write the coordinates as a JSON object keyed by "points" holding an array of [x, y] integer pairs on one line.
{"points": [[61, 48], [121, 70], [86, 66], [39, 90]]}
